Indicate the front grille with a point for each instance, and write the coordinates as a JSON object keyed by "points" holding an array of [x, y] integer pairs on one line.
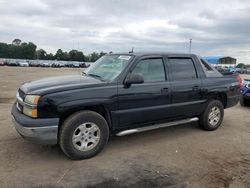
{"points": [[20, 99], [19, 106], [21, 94]]}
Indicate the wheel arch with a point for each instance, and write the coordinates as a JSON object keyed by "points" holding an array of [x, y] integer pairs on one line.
{"points": [[221, 96], [100, 109]]}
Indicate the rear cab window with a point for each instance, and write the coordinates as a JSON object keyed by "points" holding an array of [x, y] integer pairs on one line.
{"points": [[208, 69], [206, 66]]}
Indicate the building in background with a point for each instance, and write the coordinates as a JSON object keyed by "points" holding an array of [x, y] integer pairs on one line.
{"points": [[221, 61]]}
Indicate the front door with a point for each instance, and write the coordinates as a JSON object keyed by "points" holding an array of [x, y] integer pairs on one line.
{"points": [[148, 101]]}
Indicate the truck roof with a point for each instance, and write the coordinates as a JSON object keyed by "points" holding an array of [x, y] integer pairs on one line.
{"points": [[153, 53]]}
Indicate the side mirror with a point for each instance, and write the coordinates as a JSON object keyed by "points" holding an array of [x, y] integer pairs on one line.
{"points": [[134, 79]]}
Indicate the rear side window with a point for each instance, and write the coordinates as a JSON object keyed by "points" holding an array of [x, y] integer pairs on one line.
{"points": [[182, 68], [206, 66], [151, 69]]}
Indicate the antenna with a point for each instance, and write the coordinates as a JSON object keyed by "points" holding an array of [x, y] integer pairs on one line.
{"points": [[132, 50], [190, 45]]}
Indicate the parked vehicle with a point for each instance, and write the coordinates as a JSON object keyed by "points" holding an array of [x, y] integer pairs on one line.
{"points": [[231, 69], [45, 64], [241, 71], [224, 71], [57, 64], [76, 64], [245, 93], [83, 65], [22, 63], [2, 63], [122, 94], [34, 64], [68, 64], [12, 63]]}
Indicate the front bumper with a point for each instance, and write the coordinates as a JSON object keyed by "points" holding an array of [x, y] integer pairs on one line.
{"points": [[247, 96], [42, 131]]}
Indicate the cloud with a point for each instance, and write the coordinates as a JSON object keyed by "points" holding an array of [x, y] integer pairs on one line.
{"points": [[216, 27]]}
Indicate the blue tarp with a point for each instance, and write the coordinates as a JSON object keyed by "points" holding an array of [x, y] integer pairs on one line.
{"points": [[213, 59]]}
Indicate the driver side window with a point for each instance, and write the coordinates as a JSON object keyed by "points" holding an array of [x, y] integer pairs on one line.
{"points": [[151, 69]]}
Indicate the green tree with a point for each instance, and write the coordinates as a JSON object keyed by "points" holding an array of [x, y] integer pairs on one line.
{"points": [[16, 42], [75, 55], [241, 66], [41, 54], [50, 56], [59, 54], [102, 54], [22, 50], [4, 50], [93, 57], [65, 56], [28, 51]]}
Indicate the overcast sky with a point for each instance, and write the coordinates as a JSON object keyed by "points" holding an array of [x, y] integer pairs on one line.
{"points": [[216, 27]]}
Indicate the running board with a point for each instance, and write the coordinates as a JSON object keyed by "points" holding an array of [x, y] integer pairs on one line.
{"points": [[156, 126]]}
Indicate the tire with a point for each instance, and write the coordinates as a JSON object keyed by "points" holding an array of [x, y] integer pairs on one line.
{"points": [[209, 120], [242, 101], [83, 135]]}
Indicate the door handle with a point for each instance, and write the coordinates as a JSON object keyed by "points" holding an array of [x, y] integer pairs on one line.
{"points": [[164, 90], [195, 88]]}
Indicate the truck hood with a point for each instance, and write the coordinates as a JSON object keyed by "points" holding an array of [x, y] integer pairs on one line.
{"points": [[59, 83]]}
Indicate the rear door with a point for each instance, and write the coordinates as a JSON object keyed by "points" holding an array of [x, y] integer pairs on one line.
{"points": [[186, 87], [146, 102]]}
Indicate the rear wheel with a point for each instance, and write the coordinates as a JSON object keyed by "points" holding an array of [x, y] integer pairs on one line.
{"points": [[83, 135], [213, 115]]}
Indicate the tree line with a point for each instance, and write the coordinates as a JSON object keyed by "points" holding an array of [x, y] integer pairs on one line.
{"points": [[243, 66], [22, 50]]}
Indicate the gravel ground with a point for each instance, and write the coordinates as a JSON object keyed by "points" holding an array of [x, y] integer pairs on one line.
{"points": [[179, 156]]}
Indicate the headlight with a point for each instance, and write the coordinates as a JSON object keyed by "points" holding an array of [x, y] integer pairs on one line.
{"points": [[32, 99], [30, 108], [31, 112]]}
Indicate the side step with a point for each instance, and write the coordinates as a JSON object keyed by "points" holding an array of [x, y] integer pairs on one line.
{"points": [[156, 126]]}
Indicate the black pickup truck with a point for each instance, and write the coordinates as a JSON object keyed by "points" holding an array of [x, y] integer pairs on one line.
{"points": [[122, 94]]}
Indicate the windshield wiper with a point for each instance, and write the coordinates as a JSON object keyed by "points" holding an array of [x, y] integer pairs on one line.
{"points": [[84, 73], [96, 76]]}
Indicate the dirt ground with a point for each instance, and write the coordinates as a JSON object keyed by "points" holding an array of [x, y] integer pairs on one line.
{"points": [[180, 156]]}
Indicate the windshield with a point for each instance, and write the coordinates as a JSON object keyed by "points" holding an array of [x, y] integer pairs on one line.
{"points": [[108, 67]]}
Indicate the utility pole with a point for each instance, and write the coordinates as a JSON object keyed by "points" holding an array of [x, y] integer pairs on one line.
{"points": [[190, 45]]}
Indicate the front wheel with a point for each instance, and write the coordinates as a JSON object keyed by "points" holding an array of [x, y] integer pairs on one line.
{"points": [[212, 116], [83, 135]]}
